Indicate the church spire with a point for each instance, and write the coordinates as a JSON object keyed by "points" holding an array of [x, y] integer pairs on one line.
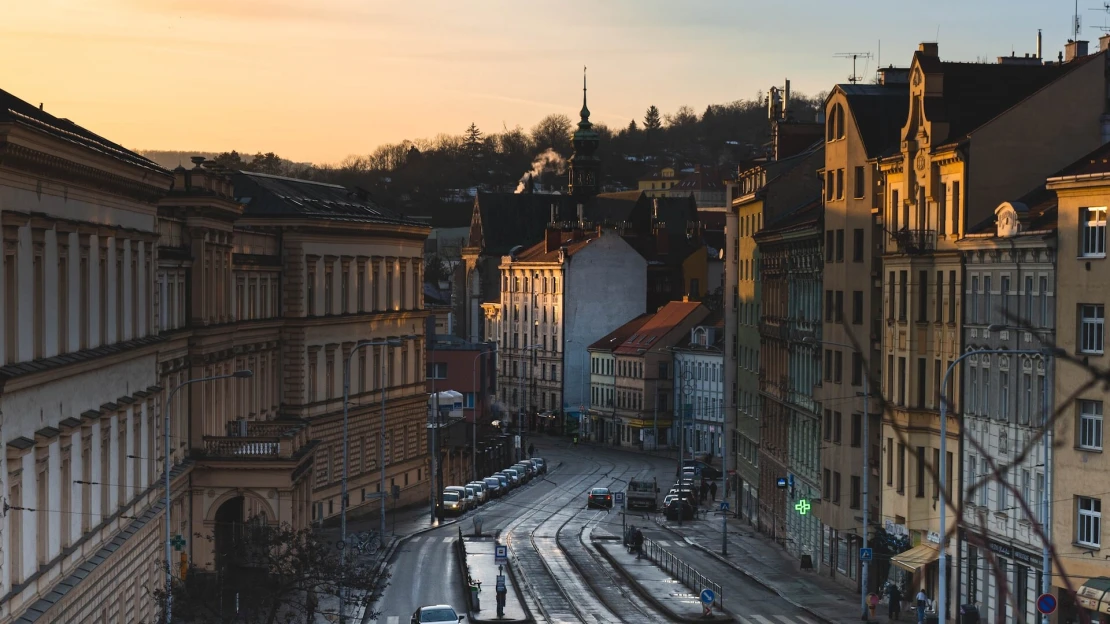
{"points": [[585, 113]]}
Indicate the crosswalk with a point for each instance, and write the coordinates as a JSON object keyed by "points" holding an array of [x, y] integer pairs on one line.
{"points": [[445, 540], [773, 619]]}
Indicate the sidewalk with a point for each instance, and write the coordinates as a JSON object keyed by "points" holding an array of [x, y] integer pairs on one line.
{"points": [[762, 560], [477, 557]]}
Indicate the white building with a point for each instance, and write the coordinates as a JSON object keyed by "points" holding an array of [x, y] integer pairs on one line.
{"points": [[557, 298], [699, 382]]}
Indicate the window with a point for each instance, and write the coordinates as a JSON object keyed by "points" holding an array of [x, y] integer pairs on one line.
{"points": [[951, 297], [860, 181], [936, 480], [828, 424], [894, 210], [855, 492], [1092, 232], [838, 366], [830, 244], [1027, 307], [857, 245], [344, 291], [903, 294], [857, 307], [857, 368], [836, 488], [1038, 504], [840, 245], [360, 305], [838, 422], [973, 398], [1090, 425], [1004, 295], [839, 307], [829, 306], [890, 298], [922, 296], [921, 472], [901, 381], [939, 311], [328, 276], [857, 429], [1089, 529], [901, 468], [840, 184], [890, 461], [987, 299], [921, 382], [310, 288], [973, 298], [828, 186], [942, 210], [437, 370], [1003, 395], [826, 489], [1090, 328], [1045, 310], [1026, 399]]}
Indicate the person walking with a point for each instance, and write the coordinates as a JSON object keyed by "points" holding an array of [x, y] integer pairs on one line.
{"points": [[713, 491], [638, 541], [894, 602], [922, 603], [531, 450], [704, 490]]}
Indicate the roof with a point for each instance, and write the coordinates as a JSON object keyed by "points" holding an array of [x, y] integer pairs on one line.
{"points": [[17, 111], [501, 221], [659, 325], [879, 112], [975, 93], [1036, 212], [703, 179], [574, 241], [277, 196], [441, 214], [1097, 162], [799, 217], [617, 337]]}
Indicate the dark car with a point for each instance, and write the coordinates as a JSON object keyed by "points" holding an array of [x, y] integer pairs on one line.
{"points": [[702, 470], [678, 506], [599, 497]]}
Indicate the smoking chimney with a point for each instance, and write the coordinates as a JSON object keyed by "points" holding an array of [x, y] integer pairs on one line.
{"points": [[1039, 57]]}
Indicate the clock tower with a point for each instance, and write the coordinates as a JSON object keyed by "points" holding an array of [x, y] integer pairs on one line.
{"points": [[585, 167]]}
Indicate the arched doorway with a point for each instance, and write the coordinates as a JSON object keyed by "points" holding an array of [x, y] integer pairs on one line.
{"points": [[228, 533]]}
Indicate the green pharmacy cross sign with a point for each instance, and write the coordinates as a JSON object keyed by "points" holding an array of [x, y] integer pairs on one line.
{"points": [[803, 506], [178, 542]]}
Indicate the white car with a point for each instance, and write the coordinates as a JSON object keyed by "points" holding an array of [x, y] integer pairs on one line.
{"points": [[436, 614]]}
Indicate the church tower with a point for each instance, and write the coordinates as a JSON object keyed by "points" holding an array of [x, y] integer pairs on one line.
{"points": [[585, 167]]}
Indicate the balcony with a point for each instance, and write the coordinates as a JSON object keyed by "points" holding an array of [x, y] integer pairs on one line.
{"points": [[915, 242], [272, 440]]}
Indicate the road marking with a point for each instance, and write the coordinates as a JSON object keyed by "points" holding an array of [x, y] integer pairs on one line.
{"points": [[663, 543], [761, 619], [414, 539], [393, 619], [788, 620], [448, 540]]}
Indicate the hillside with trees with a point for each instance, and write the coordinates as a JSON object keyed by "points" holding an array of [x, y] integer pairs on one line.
{"points": [[426, 173]]}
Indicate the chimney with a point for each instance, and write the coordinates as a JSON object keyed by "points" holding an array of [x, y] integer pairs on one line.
{"points": [[1104, 42], [786, 99], [929, 48], [554, 214], [1074, 50], [662, 243], [655, 209], [531, 186], [1039, 44], [552, 239]]}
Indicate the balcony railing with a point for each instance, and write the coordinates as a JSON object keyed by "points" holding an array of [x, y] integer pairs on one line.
{"points": [[264, 440], [915, 242]]}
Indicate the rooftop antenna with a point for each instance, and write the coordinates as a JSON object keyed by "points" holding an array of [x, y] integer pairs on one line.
{"points": [[854, 78], [1078, 25], [1104, 27]]}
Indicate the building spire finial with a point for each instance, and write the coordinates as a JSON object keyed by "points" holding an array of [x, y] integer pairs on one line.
{"points": [[585, 111]]}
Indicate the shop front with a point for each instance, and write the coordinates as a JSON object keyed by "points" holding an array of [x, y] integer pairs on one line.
{"points": [[1093, 600]]}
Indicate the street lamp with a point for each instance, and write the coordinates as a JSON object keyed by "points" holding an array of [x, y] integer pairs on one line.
{"points": [[1046, 353], [474, 412], [239, 374], [866, 565], [392, 342]]}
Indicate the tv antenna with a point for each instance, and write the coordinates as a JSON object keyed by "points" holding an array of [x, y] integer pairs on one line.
{"points": [[854, 78], [1103, 27]]}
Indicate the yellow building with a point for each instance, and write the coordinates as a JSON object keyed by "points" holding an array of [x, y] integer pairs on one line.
{"points": [[975, 135], [1082, 296]]}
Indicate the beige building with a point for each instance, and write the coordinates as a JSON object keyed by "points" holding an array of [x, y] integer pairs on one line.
{"points": [[862, 122], [975, 135], [1082, 297]]}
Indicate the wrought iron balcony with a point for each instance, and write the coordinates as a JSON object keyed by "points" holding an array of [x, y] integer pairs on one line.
{"points": [[915, 242], [262, 440]]}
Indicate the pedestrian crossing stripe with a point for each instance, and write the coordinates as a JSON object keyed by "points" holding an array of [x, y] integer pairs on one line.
{"points": [[448, 540], [393, 619], [415, 539], [663, 543], [771, 619]]}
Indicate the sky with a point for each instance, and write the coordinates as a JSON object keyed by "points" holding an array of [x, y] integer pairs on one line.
{"points": [[317, 80]]}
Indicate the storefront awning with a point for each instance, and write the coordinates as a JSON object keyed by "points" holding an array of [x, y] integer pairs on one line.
{"points": [[916, 557], [1092, 592]]}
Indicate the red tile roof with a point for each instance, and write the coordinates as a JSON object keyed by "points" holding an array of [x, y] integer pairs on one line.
{"points": [[574, 242], [661, 323], [616, 337]]}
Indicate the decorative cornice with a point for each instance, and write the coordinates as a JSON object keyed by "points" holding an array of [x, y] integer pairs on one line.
{"points": [[43, 164]]}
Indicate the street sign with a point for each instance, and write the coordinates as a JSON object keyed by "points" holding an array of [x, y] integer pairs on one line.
{"points": [[1046, 603], [866, 554], [500, 554], [803, 507], [724, 505], [500, 583], [781, 482], [618, 498], [178, 542], [708, 596]]}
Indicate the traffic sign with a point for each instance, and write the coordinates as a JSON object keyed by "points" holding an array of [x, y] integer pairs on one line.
{"points": [[708, 596], [618, 498], [781, 482], [724, 505], [500, 554], [866, 554], [500, 582], [803, 507], [1046, 603]]}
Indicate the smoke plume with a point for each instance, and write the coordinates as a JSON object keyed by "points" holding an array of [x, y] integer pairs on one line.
{"points": [[549, 160]]}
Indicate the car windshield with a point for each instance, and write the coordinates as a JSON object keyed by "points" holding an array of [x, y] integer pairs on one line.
{"points": [[451, 496], [600, 491], [492, 481], [438, 615]]}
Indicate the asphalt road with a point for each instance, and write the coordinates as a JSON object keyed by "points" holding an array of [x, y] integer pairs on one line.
{"points": [[547, 527]]}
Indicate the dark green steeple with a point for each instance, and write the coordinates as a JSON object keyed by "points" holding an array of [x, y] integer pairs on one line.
{"points": [[585, 167]]}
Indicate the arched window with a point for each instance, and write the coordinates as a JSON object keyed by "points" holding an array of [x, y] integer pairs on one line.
{"points": [[839, 121]]}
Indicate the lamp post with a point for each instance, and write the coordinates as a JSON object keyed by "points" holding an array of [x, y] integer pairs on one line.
{"points": [[474, 412], [943, 477], [346, 449], [865, 568], [166, 463]]}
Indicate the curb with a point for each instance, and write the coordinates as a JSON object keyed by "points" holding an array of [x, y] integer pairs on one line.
{"points": [[757, 579], [460, 558], [655, 602]]}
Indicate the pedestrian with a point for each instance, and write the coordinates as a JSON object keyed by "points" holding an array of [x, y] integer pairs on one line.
{"points": [[311, 604], [638, 541], [922, 602], [531, 450], [704, 490], [894, 598], [713, 491]]}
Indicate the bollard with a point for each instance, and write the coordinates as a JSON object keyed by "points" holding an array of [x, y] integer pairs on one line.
{"points": [[475, 602]]}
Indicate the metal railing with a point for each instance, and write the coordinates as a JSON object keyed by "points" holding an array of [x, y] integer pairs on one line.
{"points": [[695, 581]]}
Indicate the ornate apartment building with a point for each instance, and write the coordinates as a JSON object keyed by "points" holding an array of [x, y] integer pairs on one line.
{"points": [[122, 281]]}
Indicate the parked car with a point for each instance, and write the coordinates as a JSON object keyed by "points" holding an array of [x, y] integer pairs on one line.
{"points": [[461, 491], [512, 476], [494, 485], [599, 497], [528, 468], [541, 465], [475, 493], [452, 503], [702, 470], [436, 614], [483, 491], [676, 506]]}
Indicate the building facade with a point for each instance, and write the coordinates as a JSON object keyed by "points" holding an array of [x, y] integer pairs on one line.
{"points": [[1006, 402], [602, 422], [700, 426]]}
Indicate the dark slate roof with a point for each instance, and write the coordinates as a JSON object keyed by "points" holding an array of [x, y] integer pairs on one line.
{"points": [[1096, 162], [17, 111], [276, 196], [11, 371], [879, 112], [616, 207], [502, 221], [801, 216], [442, 214], [975, 93], [1036, 210]]}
